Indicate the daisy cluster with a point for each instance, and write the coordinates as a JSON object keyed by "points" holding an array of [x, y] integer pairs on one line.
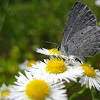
{"points": [[44, 80], [97, 2]]}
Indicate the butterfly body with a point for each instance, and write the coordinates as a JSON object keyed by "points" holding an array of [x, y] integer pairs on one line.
{"points": [[81, 35]]}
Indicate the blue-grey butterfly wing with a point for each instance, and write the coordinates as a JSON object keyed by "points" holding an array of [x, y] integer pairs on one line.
{"points": [[80, 19], [85, 42]]}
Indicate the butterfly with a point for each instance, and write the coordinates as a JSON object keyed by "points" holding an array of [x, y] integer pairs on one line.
{"points": [[81, 35]]}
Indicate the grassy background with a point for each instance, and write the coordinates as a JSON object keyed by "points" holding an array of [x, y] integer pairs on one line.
{"points": [[23, 26]]}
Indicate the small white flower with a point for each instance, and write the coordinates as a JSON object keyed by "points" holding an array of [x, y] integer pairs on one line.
{"points": [[97, 2], [48, 51], [30, 88], [91, 77], [51, 52], [57, 70], [4, 92], [27, 64]]}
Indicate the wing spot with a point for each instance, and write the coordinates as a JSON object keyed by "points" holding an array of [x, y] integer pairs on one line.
{"points": [[95, 52], [89, 53]]}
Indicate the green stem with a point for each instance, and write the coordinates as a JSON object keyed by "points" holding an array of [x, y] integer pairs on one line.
{"points": [[71, 86], [74, 95], [92, 94]]}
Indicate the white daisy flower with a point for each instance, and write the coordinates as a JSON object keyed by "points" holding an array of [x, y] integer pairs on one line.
{"points": [[4, 92], [91, 77], [97, 2], [56, 53], [27, 64], [48, 51], [30, 88], [56, 69]]}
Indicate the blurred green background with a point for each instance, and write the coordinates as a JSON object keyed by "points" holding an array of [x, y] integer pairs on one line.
{"points": [[25, 24]]}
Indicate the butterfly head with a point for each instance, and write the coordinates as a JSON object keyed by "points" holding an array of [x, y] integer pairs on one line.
{"points": [[63, 50], [58, 48]]}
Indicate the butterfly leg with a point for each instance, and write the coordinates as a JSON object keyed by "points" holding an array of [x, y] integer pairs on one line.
{"points": [[83, 58]]}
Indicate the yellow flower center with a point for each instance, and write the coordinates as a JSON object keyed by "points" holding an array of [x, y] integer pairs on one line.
{"points": [[3, 94], [88, 70], [29, 63], [37, 89], [55, 66], [54, 51]]}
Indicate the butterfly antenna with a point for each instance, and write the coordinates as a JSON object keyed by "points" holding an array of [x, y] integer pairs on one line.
{"points": [[49, 42]]}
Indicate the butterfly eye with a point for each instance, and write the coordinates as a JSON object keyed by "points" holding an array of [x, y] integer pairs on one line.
{"points": [[58, 48]]}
